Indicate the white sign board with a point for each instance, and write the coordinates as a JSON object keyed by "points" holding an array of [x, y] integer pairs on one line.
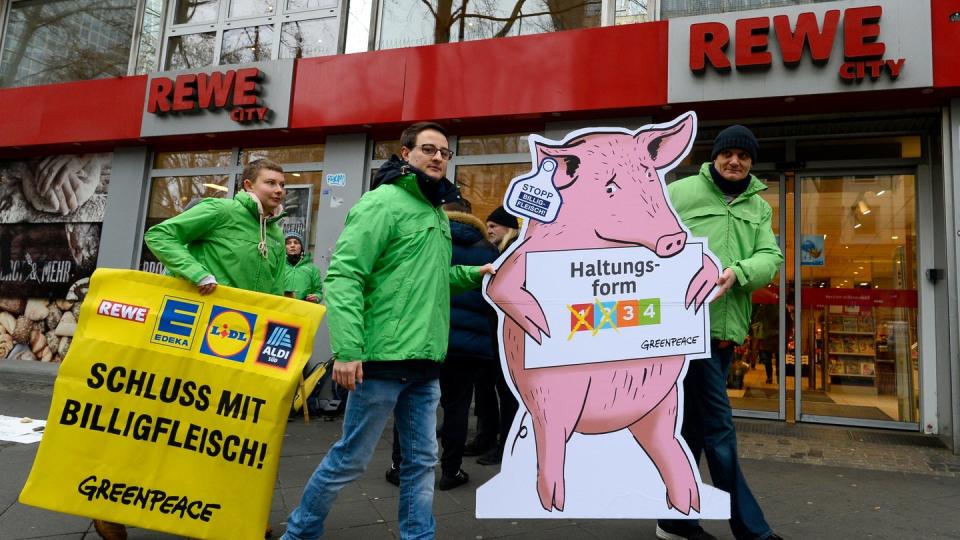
{"points": [[614, 304]]}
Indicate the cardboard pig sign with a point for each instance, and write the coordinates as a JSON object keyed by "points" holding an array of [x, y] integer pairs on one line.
{"points": [[601, 304]]}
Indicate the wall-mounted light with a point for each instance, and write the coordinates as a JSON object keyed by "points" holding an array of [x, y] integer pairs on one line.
{"points": [[863, 207], [217, 187]]}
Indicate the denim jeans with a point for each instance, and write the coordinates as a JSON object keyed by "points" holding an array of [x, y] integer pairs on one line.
{"points": [[414, 404], [708, 428]]}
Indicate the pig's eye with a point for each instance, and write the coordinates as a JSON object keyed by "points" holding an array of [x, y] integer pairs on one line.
{"points": [[612, 187]]}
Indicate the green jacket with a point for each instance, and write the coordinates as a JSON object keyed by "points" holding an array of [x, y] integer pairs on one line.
{"points": [[740, 235], [221, 237], [303, 278], [389, 282]]}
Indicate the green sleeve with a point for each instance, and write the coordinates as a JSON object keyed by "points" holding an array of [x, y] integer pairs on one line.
{"points": [[464, 278], [168, 240], [316, 283], [365, 235], [758, 270]]}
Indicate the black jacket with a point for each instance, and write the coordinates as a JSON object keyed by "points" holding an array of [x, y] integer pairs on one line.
{"points": [[470, 331]]}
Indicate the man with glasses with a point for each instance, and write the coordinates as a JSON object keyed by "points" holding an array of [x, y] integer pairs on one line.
{"points": [[388, 299]]}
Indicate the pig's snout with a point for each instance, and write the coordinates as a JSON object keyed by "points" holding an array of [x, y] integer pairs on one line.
{"points": [[669, 245]]}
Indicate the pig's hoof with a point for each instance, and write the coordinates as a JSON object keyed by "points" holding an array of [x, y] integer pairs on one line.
{"points": [[551, 495], [683, 500]]}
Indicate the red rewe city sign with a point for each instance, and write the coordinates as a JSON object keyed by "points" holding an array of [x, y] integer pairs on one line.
{"points": [[862, 50], [238, 90]]}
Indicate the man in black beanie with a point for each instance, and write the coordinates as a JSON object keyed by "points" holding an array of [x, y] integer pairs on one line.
{"points": [[499, 223], [723, 204]]}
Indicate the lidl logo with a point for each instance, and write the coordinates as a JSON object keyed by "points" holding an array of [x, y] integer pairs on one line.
{"points": [[177, 323], [278, 345], [228, 333]]}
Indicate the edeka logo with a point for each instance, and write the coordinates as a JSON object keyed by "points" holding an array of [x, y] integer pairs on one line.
{"points": [[278, 344], [228, 333], [177, 323]]}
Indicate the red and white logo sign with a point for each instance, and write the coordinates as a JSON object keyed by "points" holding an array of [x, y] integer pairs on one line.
{"points": [[862, 50], [123, 311], [234, 89]]}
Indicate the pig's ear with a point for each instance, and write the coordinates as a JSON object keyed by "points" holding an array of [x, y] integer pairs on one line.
{"points": [[569, 163], [666, 146]]}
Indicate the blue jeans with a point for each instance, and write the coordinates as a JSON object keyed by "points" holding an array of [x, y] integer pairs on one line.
{"points": [[708, 428], [414, 404]]}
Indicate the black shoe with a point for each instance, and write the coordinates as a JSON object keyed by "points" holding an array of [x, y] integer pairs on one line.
{"points": [[453, 480], [774, 536], [477, 447], [493, 457], [393, 476], [692, 534]]}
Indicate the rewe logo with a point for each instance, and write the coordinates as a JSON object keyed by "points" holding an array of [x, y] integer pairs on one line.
{"points": [[228, 333], [123, 311], [278, 345], [862, 49]]}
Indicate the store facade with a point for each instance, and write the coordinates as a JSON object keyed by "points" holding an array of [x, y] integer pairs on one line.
{"points": [[856, 105]]}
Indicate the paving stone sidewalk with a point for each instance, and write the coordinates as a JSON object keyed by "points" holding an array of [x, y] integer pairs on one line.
{"points": [[814, 482]]}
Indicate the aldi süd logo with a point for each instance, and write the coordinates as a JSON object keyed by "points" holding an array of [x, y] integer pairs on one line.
{"points": [[228, 333], [278, 344], [177, 323]]}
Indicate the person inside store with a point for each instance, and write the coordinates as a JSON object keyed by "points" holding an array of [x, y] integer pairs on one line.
{"points": [[491, 390], [388, 293], [471, 346], [234, 242], [723, 204], [302, 279]]}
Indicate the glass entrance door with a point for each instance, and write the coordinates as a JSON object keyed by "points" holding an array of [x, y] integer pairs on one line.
{"points": [[754, 385], [852, 351]]}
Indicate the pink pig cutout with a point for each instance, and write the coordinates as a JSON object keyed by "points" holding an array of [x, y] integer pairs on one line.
{"points": [[613, 195]]}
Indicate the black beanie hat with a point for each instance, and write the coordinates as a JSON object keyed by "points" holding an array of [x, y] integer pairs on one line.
{"points": [[736, 136], [501, 217]]}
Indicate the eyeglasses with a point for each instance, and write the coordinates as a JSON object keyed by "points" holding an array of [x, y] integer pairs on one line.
{"points": [[431, 150]]}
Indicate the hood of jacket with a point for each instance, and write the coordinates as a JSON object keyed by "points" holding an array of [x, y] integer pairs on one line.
{"points": [[466, 229], [436, 192]]}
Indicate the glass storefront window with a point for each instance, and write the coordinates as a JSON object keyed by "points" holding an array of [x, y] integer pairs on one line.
{"points": [[859, 298], [385, 149], [300, 5], [358, 26], [485, 185], [196, 11], [66, 40], [306, 28], [492, 144], [190, 51], [284, 154], [409, 23], [305, 39], [302, 204], [245, 45], [686, 8], [251, 8], [633, 11], [193, 159], [151, 30], [170, 196]]}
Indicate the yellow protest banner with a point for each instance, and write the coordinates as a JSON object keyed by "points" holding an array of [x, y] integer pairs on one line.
{"points": [[169, 410]]}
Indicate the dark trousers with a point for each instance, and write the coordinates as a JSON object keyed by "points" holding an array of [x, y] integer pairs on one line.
{"points": [[488, 407], [456, 392], [708, 428]]}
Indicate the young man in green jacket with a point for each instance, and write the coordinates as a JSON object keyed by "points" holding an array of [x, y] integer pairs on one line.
{"points": [[301, 277], [234, 242], [723, 204], [388, 309]]}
